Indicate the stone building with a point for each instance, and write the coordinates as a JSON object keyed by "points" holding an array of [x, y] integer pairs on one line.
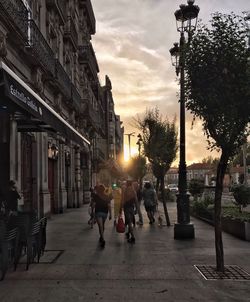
{"points": [[53, 126]]}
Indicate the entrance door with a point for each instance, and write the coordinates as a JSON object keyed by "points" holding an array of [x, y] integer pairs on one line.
{"points": [[26, 171], [51, 182], [4, 150]]}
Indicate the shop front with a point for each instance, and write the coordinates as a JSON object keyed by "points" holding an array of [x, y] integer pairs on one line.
{"points": [[39, 149]]}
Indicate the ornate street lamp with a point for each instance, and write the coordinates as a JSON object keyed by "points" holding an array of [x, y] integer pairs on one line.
{"points": [[129, 139], [186, 20], [139, 143]]}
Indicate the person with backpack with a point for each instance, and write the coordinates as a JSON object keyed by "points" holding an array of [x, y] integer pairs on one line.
{"points": [[150, 201]]}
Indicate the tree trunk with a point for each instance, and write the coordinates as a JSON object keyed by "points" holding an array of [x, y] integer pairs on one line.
{"points": [[221, 169], [164, 201]]}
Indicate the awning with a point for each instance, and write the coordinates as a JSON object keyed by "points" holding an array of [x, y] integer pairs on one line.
{"points": [[30, 110]]}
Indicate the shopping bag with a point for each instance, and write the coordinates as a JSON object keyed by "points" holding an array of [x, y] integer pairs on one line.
{"points": [[120, 226]]}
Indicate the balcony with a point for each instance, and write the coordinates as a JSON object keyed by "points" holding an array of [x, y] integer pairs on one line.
{"points": [[91, 115], [60, 7], [15, 15], [88, 10], [87, 57], [98, 155], [63, 80], [70, 32], [40, 50], [76, 98]]}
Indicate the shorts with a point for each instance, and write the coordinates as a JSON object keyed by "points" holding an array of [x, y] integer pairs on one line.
{"points": [[102, 215], [129, 215]]}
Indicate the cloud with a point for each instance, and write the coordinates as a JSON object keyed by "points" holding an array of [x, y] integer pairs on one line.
{"points": [[132, 47]]}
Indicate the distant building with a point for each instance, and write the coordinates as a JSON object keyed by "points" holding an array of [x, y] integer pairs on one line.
{"points": [[199, 171]]}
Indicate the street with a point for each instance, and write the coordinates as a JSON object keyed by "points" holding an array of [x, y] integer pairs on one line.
{"points": [[155, 268]]}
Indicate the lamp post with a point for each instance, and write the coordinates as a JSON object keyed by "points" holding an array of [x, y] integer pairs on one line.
{"points": [[186, 20], [139, 143], [129, 148]]}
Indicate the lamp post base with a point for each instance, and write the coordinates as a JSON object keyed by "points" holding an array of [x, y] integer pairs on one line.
{"points": [[183, 231]]}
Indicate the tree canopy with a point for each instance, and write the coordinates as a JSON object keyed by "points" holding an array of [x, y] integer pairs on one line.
{"points": [[137, 167], [218, 81], [159, 139]]}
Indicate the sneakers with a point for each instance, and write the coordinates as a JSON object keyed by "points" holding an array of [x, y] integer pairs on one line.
{"points": [[102, 242], [131, 240]]}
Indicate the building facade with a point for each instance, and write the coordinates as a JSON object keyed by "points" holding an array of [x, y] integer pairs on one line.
{"points": [[53, 132]]}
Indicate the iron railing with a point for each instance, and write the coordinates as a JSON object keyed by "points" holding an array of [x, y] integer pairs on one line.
{"points": [[70, 32], [75, 96], [60, 6], [87, 56], [15, 14], [40, 49], [98, 154], [91, 115], [63, 80]]}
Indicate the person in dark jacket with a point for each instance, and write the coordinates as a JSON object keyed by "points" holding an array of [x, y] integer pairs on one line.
{"points": [[128, 204], [12, 196], [150, 201], [102, 209]]}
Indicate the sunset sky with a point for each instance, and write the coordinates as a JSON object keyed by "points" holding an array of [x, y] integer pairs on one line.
{"points": [[132, 43]]}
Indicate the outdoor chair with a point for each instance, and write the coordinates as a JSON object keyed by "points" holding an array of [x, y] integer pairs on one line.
{"points": [[24, 223], [43, 224], [8, 249], [33, 244]]}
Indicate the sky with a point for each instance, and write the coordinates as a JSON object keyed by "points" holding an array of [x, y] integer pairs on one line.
{"points": [[132, 43]]}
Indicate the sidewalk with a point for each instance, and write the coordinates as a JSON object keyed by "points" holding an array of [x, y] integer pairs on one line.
{"points": [[157, 268]]}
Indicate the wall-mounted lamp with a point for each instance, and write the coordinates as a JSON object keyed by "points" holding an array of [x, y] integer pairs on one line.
{"points": [[53, 151]]}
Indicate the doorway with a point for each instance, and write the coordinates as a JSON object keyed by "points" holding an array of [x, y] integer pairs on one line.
{"points": [[26, 171]]}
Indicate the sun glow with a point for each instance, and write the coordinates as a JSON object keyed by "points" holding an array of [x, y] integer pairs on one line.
{"points": [[134, 151]]}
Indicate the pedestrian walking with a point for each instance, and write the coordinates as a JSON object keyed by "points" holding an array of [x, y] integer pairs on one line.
{"points": [[150, 201], [117, 197], [129, 200], [138, 204], [102, 209]]}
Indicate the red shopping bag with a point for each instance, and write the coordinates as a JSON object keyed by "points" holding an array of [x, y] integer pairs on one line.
{"points": [[120, 226]]}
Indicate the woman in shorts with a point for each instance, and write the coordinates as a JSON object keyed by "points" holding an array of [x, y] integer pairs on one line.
{"points": [[102, 209]]}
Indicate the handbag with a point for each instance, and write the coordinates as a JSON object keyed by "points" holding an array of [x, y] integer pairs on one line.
{"points": [[120, 226]]}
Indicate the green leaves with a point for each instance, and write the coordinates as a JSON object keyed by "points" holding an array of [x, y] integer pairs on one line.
{"points": [[218, 80], [159, 140]]}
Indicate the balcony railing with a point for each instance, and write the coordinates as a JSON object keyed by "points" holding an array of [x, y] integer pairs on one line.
{"points": [[75, 96], [87, 56], [91, 115], [70, 32], [86, 4], [16, 15], [61, 8], [40, 49], [63, 80], [98, 154]]}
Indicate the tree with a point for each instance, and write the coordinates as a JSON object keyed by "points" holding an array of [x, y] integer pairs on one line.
{"points": [[196, 187], [238, 159], [159, 138], [217, 92], [241, 195], [137, 167]]}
